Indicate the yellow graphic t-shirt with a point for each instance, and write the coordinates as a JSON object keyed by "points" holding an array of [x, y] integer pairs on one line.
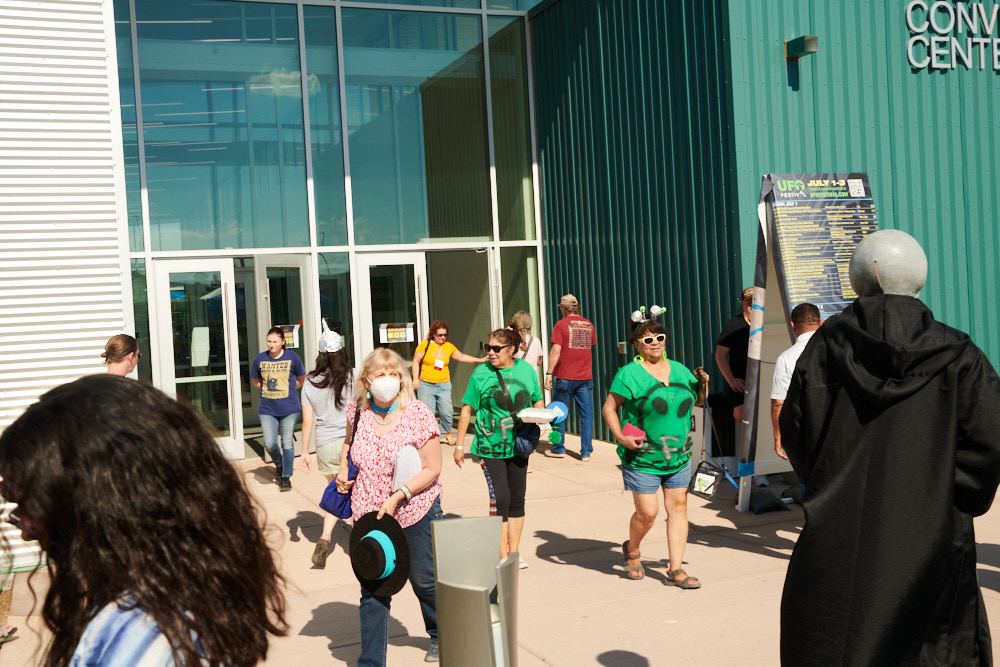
{"points": [[274, 378], [434, 365]]}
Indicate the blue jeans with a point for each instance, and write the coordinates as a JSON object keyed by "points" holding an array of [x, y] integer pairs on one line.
{"points": [[583, 392], [286, 457], [437, 396], [375, 609]]}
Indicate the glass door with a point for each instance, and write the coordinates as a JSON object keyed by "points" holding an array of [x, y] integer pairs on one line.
{"points": [[392, 303], [196, 360]]}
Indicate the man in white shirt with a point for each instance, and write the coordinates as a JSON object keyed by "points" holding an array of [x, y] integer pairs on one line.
{"points": [[805, 321]]}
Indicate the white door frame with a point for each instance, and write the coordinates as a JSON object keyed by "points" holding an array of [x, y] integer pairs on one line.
{"points": [[163, 354], [364, 261], [309, 331]]}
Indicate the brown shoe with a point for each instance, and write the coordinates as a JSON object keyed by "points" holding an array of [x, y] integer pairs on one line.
{"points": [[320, 554]]}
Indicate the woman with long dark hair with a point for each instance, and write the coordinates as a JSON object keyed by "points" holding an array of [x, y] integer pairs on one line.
{"points": [[495, 430], [657, 395], [149, 562], [279, 374], [389, 420], [432, 375], [325, 394]]}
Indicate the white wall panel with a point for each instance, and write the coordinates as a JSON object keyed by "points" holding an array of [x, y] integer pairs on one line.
{"points": [[63, 248]]}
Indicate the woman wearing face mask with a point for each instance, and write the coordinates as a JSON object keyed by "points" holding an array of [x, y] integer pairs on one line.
{"points": [[279, 373], [385, 418], [657, 395], [506, 473]]}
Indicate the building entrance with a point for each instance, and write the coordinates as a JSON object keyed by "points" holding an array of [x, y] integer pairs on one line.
{"points": [[210, 318], [401, 293]]}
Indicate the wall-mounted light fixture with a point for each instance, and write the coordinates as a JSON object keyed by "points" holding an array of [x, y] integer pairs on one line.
{"points": [[801, 46]]}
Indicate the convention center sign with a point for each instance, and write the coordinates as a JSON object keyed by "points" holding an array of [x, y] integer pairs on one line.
{"points": [[809, 227]]}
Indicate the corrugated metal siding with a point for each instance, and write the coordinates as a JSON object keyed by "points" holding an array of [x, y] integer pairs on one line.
{"points": [[927, 139], [61, 177], [62, 224], [634, 149]]}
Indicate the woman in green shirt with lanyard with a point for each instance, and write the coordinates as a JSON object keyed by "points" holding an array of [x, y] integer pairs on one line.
{"points": [[657, 395], [506, 473]]}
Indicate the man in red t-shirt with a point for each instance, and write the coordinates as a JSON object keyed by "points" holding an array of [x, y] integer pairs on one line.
{"points": [[570, 374]]}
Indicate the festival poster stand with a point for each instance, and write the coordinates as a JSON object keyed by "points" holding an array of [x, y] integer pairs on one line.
{"points": [[809, 227]]}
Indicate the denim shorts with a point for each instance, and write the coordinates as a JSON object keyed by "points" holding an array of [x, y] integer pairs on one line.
{"points": [[638, 481]]}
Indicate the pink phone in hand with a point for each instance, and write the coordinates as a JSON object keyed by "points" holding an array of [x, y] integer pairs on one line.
{"points": [[633, 431]]}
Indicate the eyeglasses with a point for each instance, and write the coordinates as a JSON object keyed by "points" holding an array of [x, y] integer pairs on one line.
{"points": [[649, 340], [496, 348], [441, 335]]}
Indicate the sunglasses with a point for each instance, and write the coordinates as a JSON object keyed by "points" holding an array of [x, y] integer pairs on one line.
{"points": [[441, 335], [496, 348], [649, 340]]}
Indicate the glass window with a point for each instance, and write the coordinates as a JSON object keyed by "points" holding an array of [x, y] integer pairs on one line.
{"points": [[140, 309], [519, 271], [417, 126], [325, 131], [130, 137], [335, 296], [514, 5], [465, 4], [222, 124], [511, 134]]}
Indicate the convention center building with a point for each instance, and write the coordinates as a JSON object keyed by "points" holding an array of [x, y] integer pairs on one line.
{"points": [[195, 172]]}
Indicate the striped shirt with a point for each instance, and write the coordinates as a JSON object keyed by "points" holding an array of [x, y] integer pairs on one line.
{"points": [[122, 637]]}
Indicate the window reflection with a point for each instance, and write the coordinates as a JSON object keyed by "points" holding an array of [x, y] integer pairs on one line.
{"points": [[130, 137], [335, 295], [222, 124], [470, 4], [325, 131], [511, 134], [417, 126]]}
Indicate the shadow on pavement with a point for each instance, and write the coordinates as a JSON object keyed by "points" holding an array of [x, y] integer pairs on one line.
{"points": [[339, 622], [595, 555], [989, 555], [622, 659]]}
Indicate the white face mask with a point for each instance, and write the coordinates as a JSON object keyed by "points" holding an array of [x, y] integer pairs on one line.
{"points": [[385, 389]]}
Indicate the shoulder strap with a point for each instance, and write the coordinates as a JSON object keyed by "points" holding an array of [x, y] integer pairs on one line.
{"points": [[357, 418], [506, 394]]}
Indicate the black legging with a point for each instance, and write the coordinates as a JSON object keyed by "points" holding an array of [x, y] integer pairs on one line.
{"points": [[507, 480]]}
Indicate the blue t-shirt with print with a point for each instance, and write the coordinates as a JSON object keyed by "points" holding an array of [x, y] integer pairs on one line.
{"points": [[278, 377]]}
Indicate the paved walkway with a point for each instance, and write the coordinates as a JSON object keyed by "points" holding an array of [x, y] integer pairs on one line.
{"points": [[575, 606]]}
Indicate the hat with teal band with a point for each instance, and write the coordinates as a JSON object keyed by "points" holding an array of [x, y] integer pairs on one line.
{"points": [[380, 554]]}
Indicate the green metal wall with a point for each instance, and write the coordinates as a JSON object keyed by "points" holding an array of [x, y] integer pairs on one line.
{"points": [[634, 149], [928, 139]]}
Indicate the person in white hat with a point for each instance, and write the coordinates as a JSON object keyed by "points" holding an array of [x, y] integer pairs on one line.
{"points": [[325, 394]]}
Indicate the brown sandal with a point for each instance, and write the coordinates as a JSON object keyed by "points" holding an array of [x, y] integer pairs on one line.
{"points": [[685, 583], [629, 569]]}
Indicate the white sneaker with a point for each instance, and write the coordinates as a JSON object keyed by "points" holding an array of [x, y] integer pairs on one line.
{"points": [[521, 563], [760, 480]]}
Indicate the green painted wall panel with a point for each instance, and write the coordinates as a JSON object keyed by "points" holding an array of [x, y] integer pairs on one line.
{"points": [[926, 138], [635, 149]]}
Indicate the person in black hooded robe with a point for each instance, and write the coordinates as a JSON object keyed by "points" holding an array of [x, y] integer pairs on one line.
{"points": [[892, 421]]}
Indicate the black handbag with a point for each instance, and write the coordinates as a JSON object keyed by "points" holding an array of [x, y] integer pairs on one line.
{"points": [[526, 435]]}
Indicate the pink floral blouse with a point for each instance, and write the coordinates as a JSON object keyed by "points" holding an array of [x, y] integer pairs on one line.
{"points": [[375, 455]]}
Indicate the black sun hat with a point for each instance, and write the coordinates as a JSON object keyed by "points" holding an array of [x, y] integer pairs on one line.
{"points": [[380, 554]]}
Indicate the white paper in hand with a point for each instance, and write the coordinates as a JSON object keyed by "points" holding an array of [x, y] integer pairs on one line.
{"points": [[407, 466]]}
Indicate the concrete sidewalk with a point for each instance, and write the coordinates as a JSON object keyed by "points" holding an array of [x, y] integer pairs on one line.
{"points": [[576, 607]]}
